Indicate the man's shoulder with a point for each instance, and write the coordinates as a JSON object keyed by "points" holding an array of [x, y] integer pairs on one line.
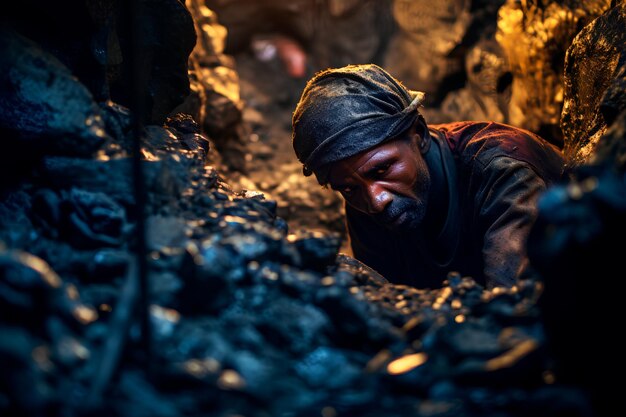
{"points": [[463, 133], [476, 141]]}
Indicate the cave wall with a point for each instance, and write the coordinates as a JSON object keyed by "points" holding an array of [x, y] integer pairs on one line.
{"points": [[489, 60], [594, 80], [535, 36], [101, 45]]}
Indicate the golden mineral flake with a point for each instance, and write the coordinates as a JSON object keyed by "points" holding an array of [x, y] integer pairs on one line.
{"points": [[406, 363]]}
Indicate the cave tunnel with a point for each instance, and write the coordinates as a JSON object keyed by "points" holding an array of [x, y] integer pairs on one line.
{"points": [[162, 252]]}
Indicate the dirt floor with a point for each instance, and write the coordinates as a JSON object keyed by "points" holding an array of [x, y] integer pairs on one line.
{"points": [[270, 96]]}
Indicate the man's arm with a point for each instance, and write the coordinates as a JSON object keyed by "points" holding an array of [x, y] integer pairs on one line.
{"points": [[506, 200]]}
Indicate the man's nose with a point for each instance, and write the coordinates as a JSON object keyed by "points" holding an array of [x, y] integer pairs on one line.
{"points": [[377, 198]]}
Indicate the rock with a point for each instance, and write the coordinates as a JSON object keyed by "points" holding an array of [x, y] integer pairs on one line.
{"points": [[486, 94], [215, 101], [427, 30], [535, 38], [43, 104], [317, 250], [166, 233], [292, 324], [183, 123], [28, 287], [26, 383], [165, 53], [611, 149], [112, 177], [16, 228], [91, 219], [118, 121], [318, 369], [98, 41], [329, 32], [592, 95], [572, 240], [108, 264]]}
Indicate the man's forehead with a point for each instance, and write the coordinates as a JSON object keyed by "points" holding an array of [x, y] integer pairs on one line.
{"points": [[341, 170]]}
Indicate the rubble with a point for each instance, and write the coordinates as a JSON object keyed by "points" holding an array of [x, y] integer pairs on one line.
{"points": [[247, 317]]}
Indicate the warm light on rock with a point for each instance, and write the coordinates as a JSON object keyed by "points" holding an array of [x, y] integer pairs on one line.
{"points": [[406, 363]]}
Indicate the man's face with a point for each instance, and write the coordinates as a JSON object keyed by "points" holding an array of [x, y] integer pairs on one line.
{"points": [[389, 182]]}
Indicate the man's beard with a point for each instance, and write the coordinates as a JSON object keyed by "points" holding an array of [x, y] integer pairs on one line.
{"points": [[402, 214]]}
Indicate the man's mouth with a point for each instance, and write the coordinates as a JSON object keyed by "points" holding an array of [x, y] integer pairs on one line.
{"points": [[397, 214], [393, 221], [398, 220]]}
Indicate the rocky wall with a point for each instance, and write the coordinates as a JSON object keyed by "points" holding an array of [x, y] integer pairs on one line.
{"points": [[489, 60], [535, 36], [215, 100], [594, 79]]}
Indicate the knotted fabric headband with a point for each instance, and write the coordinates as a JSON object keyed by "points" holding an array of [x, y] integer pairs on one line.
{"points": [[344, 111]]}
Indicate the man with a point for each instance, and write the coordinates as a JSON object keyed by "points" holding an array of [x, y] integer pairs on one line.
{"points": [[421, 200]]}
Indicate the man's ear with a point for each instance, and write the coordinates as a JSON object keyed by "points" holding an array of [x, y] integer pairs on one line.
{"points": [[423, 136], [415, 141]]}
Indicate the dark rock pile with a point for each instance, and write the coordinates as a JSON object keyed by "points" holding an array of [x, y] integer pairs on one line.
{"points": [[574, 247], [246, 318]]}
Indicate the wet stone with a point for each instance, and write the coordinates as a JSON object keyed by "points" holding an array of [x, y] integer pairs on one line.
{"points": [[316, 250], [297, 283], [112, 177], [67, 121], [165, 287], [102, 296], [46, 211], [108, 263], [183, 123], [26, 381], [475, 339], [118, 122], [207, 287], [92, 219], [292, 324], [319, 368], [16, 224], [29, 287], [166, 232], [508, 309]]}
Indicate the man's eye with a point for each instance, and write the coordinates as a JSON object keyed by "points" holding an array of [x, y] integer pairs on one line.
{"points": [[346, 190], [381, 169]]}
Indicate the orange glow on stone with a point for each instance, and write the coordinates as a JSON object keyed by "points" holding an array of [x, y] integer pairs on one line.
{"points": [[407, 363]]}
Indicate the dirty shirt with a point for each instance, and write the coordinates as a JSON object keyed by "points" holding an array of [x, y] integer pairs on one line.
{"points": [[494, 174]]}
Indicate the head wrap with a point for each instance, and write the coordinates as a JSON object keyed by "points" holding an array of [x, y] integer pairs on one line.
{"points": [[344, 111]]}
